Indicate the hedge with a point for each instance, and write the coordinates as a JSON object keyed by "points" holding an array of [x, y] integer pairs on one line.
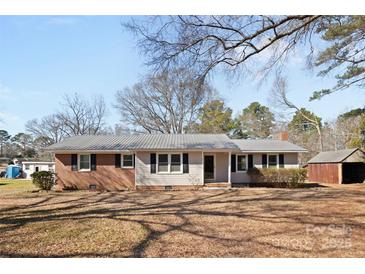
{"points": [[281, 177]]}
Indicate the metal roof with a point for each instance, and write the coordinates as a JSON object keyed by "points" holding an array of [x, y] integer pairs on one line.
{"points": [[170, 141], [145, 142], [267, 146], [332, 156]]}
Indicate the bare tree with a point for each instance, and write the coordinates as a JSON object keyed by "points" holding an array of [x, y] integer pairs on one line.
{"points": [[165, 103], [81, 117], [77, 117], [345, 130], [280, 93], [49, 126], [204, 43]]}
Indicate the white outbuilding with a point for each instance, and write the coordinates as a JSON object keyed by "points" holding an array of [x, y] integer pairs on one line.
{"points": [[30, 167]]}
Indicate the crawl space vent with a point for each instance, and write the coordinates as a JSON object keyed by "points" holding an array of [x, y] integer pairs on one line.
{"points": [[92, 187]]}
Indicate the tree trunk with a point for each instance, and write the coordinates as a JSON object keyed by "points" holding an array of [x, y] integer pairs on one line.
{"points": [[320, 138]]}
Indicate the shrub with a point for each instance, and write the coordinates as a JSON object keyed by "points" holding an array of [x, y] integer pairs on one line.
{"points": [[43, 179], [282, 177]]}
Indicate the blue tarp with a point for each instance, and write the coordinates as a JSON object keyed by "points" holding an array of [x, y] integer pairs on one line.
{"points": [[12, 171]]}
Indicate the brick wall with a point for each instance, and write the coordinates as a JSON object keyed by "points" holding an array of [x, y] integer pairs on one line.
{"points": [[105, 177]]}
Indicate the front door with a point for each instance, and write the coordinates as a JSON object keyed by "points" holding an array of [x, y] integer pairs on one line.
{"points": [[208, 167]]}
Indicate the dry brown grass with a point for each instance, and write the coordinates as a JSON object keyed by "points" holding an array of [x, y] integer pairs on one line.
{"points": [[220, 223]]}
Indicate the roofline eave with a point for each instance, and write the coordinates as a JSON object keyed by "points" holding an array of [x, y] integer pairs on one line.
{"points": [[68, 151]]}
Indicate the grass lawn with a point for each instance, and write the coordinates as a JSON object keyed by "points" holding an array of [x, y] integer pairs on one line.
{"points": [[9, 186], [256, 222]]}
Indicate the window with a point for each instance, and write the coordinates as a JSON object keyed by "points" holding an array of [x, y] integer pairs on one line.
{"points": [[127, 160], [169, 163], [241, 163], [84, 162], [163, 163], [272, 160], [175, 163], [26, 167]]}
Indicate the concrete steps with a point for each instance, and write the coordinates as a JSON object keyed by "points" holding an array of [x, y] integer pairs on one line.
{"points": [[222, 185]]}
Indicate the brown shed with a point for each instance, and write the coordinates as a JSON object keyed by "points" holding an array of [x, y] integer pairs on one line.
{"points": [[338, 167]]}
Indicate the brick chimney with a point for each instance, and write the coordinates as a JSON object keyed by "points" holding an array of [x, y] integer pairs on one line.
{"points": [[283, 136]]}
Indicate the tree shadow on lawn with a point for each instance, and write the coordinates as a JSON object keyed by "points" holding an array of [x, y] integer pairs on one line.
{"points": [[170, 213]]}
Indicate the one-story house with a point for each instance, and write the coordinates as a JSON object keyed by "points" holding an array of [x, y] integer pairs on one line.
{"points": [[164, 161], [337, 167]]}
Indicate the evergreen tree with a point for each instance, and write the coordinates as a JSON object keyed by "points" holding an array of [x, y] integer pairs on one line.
{"points": [[4, 137], [255, 121], [214, 117]]}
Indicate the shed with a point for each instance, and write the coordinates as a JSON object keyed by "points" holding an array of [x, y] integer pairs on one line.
{"points": [[30, 167], [338, 167]]}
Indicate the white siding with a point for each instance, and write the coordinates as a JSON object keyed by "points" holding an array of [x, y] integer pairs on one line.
{"points": [[290, 161], [221, 166], [195, 175], [32, 168], [145, 178]]}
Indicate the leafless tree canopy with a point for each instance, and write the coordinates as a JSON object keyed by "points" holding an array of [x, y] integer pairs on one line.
{"points": [[205, 42], [81, 117], [279, 93], [49, 126], [165, 103], [77, 117]]}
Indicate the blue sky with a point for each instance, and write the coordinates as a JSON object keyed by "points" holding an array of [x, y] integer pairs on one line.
{"points": [[44, 57]]}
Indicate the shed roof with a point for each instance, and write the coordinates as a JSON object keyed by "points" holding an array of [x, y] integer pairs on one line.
{"points": [[267, 146], [145, 141], [332, 156]]}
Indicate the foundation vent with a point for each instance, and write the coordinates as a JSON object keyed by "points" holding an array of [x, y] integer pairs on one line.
{"points": [[92, 186]]}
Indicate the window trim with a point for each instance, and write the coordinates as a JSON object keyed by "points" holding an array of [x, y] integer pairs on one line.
{"points": [[122, 161], [169, 163], [79, 162], [241, 171], [277, 160]]}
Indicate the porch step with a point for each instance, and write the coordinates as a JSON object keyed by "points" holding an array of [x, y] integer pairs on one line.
{"points": [[239, 185], [216, 185]]}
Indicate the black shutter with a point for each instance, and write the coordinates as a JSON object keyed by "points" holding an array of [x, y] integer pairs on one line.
{"points": [[250, 161], [153, 162], [134, 160], [281, 160], [233, 163], [74, 162], [264, 161], [93, 161], [185, 163], [117, 160]]}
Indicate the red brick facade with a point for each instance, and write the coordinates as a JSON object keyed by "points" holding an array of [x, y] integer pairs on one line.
{"points": [[105, 177]]}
